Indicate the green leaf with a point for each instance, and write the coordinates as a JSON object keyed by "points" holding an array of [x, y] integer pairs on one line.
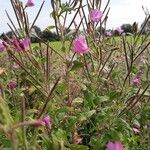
{"points": [[103, 98], [53, 14], [72, 120], [49, 28], [76, 65], [89, 99], [101, 117], [84, 116], [123, 125], [5, 115], [64, 8], [78, 147], [114, 95], [78, 100], [63, 110], [61, 135]]}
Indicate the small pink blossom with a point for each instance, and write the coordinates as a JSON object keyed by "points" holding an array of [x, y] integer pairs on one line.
{"points": [[79, 140], [80, 45], [30, 3], [136, 81], [21, 45], [115, 146], [16, 66], [39, 123], [2, 46], [96, 15], [120, 31], [135, 130], [108, 33], [12, 86], [47, 121]]}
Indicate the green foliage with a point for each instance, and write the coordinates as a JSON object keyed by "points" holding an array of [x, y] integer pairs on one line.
{"points": [[127, 28], [92, 98], [49, 36]]}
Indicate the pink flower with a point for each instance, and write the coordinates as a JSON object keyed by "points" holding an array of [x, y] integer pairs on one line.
{"points": [[136, 81], [29, 3], [108, 33], [39, 123], [96, 15], [21, 45], [80, 45], [47, 121], [115, 146], [120, 30], [12, 86], [2, 46], [79, 140], [135, 130], [16, 66]]}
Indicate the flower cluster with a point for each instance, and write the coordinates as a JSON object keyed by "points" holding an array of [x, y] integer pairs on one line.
{"points": [[80, 45], [119, 30], [115, 146], [2, 46], [108, 33], [12, 86], [96, 15], [46, 121], [21, 45], [29, 3], [136, 81]]}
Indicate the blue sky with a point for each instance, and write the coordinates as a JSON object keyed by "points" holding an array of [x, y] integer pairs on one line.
{"points": [[122, 11]]}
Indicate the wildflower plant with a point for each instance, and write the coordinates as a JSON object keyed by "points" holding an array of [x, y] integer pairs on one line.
{"points": [[80, 95]]}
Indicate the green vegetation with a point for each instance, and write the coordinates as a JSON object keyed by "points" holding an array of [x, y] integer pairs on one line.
{"points": [[88, 91]]}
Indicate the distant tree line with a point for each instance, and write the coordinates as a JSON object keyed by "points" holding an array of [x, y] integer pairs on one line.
{"points": [[129, 28], [35, 34], [48, 35]]}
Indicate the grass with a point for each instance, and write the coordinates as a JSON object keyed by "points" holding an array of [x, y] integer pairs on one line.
{"points": [[101, 94], [56, 44]]}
